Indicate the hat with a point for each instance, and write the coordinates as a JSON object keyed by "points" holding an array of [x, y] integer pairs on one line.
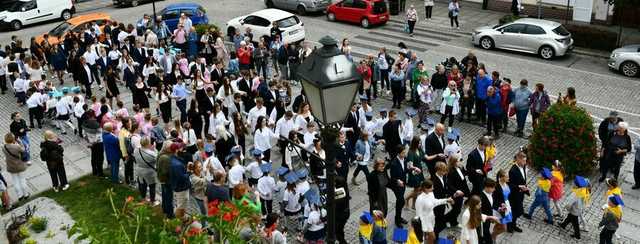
{"points": [[65, 90], [383, 110], [312, 196], [546, 173], [411, 112], [364, 98], [613, 114], [616, 200], [580, 181], [366, 217], [282, 171], [256, 153], [427, 123], [265, 167], [55, 94], [291, 177], [236, 149], [176, 146], [302, 173], [452, 136]]}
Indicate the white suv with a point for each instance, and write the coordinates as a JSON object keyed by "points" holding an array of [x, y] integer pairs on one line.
{"points": [[261, 21]]}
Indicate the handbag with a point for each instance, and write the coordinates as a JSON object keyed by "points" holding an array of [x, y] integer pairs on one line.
{"points": [[512, 110], [450, 14], [406, 27]]}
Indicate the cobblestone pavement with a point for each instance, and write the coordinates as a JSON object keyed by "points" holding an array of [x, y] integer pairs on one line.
{"points": [[598, 91]]}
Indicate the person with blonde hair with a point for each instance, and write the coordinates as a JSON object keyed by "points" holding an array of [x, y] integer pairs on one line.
{"points": [[52, 153], [13, 151], [145, 160]]}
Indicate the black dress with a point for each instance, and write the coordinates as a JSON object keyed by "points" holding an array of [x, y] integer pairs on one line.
{"points": [[139, 95], [165, 107], [195, 119], [112, 86]]}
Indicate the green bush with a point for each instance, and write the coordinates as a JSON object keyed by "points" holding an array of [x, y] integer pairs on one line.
{"points": [[592, 37], [201, 29], [508, 19], [564, 133], [38, 224]]}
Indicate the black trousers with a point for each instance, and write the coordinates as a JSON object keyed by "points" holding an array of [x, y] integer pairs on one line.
{"points": [[452, 216], [362, 168], [396, 90], [399, 194], [128, 170], [636, 172], [37, 114], [454, 19], [428, 10], [574, 223], [80, 122], [97, 159], [481, 110], [606, 236], [94, 72], [466, 105], [384, 79], [143, 187], [282, 146], [493, 123], [340, 237], [266, 206], [206, 122], [3, 83], [412, 24], [448, 112], [57, 173]]}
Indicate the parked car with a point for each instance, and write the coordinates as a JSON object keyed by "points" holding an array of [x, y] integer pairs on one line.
{"points": [[364, 12], [171, 14], [548, 39], [626, 60], [76, 24], [261, 22], [16, 14], [301, 7], [132, 3]]}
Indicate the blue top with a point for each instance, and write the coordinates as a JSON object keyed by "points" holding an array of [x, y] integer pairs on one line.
{"points": [[180, 91], [482, 85], [111, 147], [493, 104], [178, 177]]}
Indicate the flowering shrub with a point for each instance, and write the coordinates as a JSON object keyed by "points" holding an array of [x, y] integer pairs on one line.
{"points": [[564, 133], [227, 219]]}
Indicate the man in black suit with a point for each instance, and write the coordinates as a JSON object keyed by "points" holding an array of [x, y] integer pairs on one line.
{"points": [[391, 135], [440, 191], [206, 107], [217, 75], [398, 172], [488, 205], [244, 85], [434, 148], [344, 156], [475, 165], [518, 188], [138, 54], [298, 100], [85, 77], [458, 189], [269, 96], [351, 127]]}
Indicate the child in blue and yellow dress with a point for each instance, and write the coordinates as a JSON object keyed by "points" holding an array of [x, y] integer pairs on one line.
{"points": [[542, 195]]}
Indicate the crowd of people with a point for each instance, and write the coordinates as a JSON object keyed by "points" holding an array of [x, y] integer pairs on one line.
{"points": [[195, 101]]}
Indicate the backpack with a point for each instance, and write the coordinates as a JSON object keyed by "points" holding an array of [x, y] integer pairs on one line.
{"points": [[128, 145]]}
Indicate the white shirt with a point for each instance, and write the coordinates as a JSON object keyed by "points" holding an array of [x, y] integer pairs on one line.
{"points": [[315, 220], [466, 233], [253, 170], [284, 126], [235, 175], [214, 163], [36, 99], [481, 152], [262, 138], [407, 130], [424, 210], [62, 107], [292, 199], [266, 187], [254, 113], [380, 122], [90, 57], [215, 120], [114, 55], [148, 70], [490, 197], [453, 149], [303, 187], [367, 154], [524, 176], [189, 136], [77, 109], [21, 85], [89, 76]]}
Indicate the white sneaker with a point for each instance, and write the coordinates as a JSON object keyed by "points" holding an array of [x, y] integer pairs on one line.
{"points": [[65, 187], [55, 189], [29, 163], [156, 203]]}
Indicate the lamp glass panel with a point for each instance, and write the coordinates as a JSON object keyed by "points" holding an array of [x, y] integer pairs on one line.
{"points": [[338, 101], [314, 97]]}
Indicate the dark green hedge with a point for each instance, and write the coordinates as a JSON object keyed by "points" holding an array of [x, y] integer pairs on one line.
{"points": [[592, 37]]}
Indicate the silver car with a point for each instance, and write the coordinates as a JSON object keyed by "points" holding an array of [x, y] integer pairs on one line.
{"points": [[301, 7], [547, 38], [626, 60]]}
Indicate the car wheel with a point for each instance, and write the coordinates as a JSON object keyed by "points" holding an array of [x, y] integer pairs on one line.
{"points": [[486, 43], [16, 25], [135, 3], [547, 52], [331, 16], [365, 23], [629, 68], [269, 4], [301, 10], [66, 14]]}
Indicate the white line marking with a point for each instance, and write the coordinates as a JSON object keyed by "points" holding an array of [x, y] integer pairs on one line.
{"points": [[602, 107]]}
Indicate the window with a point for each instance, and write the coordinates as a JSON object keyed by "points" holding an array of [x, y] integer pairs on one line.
{"points": [[99, 22], [170, 14], [560, 30], [379, 7], [60, 29], [30, 5], [257, 21], [348, 3], [359, 4], [288, 22], [514, 28], [534, 30]]}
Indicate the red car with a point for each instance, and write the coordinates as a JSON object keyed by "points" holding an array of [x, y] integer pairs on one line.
{"points": [[365, 12]]}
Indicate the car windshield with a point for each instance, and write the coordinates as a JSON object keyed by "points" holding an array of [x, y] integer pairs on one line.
{"points": [[379, 7], [288, 22], [560, 30], [60, 29], [14, 6], [6, 5]]}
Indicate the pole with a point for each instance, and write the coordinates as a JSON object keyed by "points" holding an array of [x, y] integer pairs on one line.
{"points": [[153, 3], [539, 9], [329, 137], [566, 18]]}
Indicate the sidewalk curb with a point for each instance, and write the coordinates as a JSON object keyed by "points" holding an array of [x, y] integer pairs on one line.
{"points": [[591, 53]]}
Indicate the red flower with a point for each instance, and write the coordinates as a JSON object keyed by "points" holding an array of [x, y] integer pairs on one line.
{"points": [[178, 229], [245, 203], [227, 217], [213, 209], [235, 213], [129, 199], [193, 231]]}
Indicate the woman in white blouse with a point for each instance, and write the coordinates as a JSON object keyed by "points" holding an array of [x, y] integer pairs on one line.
{"points": [[471, 219], [226, 93], [262, 137], [303, 117], [189, 137], [425, 203], [216, 118]]}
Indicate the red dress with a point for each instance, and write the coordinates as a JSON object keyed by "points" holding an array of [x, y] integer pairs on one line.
{"points": [[557, 187]]}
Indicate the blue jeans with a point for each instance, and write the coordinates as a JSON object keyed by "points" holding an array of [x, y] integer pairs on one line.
{"points": [[115, 170], [521, 118], [27, 146], [542, 198], [167, 200]]}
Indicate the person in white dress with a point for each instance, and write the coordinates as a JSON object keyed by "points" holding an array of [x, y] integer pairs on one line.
{"points": [[425, 203], [471, 219]]}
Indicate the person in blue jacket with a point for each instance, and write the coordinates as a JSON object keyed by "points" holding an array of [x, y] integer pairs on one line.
{"points": [[483, 82], [494, 111], [179, 179], [111, 150]]}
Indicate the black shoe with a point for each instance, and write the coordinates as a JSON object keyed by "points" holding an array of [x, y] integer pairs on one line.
{"points": [[575, 236], [635, 187], [403, 221], [510, 230], [601, 179], [527, 216], [32, 127], [517, 229]]}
